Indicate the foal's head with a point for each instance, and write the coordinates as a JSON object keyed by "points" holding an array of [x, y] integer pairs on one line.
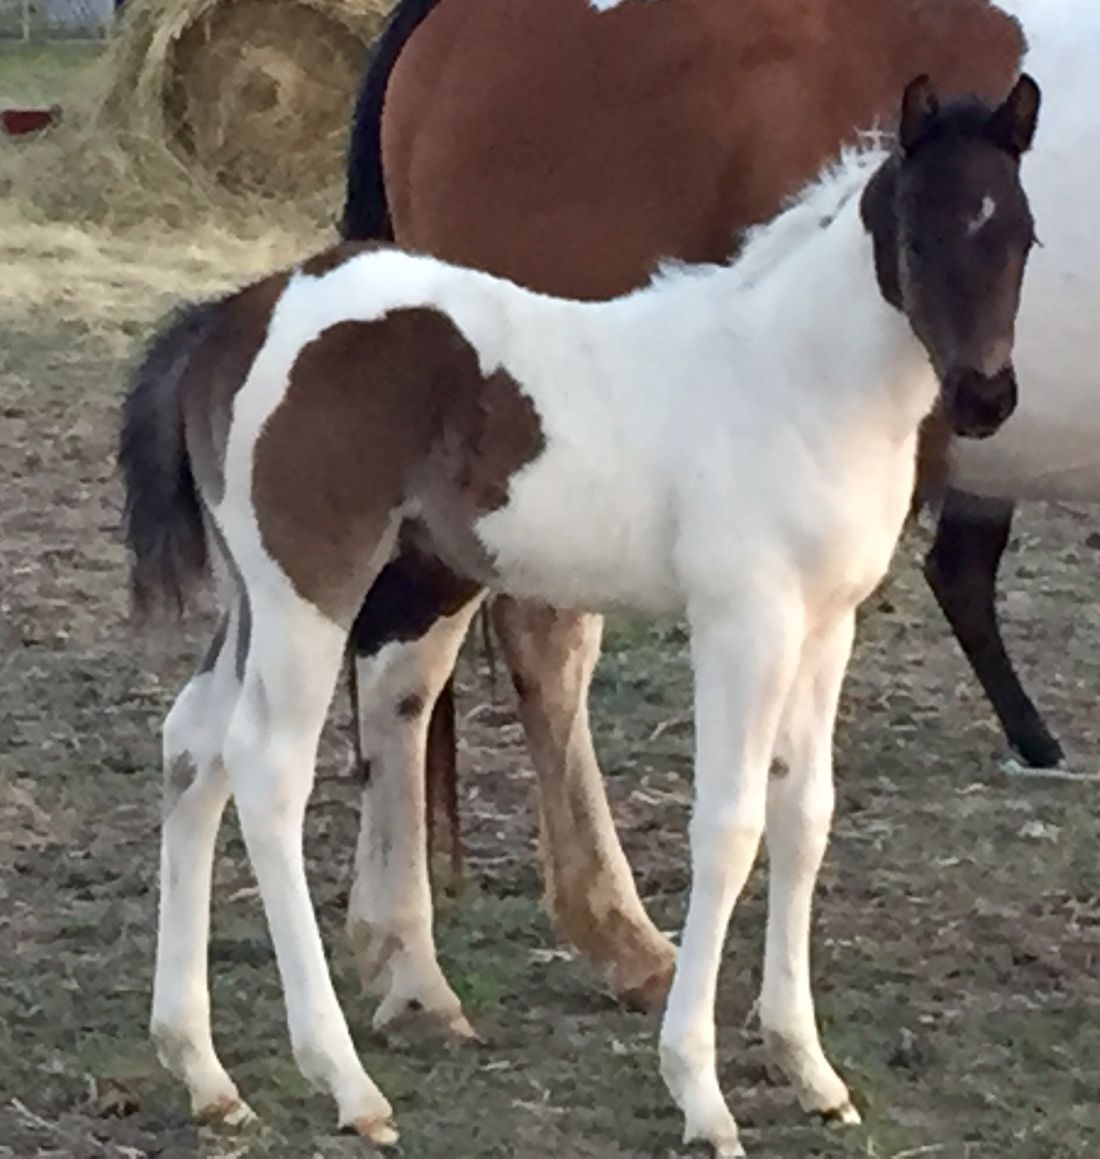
{"points": [[952, 231]]}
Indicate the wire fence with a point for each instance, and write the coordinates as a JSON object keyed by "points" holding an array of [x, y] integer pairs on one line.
{"points": [[31, 20]]}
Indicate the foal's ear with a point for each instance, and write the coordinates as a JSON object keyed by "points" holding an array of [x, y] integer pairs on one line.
{"points": [[919, 106], [1013, 124]]}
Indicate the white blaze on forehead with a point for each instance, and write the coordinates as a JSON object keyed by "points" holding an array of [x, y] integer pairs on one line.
{"points": [[982, 217], [605, 5]]}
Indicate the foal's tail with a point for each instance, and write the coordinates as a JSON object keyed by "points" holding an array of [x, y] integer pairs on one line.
{"points": [[163, 516], [366, 210]]}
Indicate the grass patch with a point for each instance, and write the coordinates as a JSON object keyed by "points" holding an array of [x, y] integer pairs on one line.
{"points": [[39, 73]]}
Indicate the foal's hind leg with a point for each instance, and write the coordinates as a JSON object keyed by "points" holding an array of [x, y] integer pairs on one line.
{"points": [[195, 793], [589, 886], [961, 570], [799, 814], [271, 748], [390, 912]]}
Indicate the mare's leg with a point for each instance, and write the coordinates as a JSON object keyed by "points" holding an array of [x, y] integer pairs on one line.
{"points": [[961, 570], [799, 814], [745, 658], [589, 887], [390, 911], [293, 663], [195, 793]]}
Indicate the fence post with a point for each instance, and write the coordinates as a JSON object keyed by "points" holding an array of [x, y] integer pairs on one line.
{"points": [[26, 19]]}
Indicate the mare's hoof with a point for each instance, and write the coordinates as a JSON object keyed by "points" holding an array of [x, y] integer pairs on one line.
{"points": [[646, 989], [1039, 751]]}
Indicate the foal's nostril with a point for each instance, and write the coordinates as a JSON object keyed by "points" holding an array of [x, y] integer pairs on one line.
{"points": [[979, 405]]}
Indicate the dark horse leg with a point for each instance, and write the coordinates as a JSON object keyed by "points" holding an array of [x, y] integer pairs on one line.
{"points": [[961, 570]]}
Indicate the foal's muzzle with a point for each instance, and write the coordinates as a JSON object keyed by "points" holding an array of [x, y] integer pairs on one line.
{"points": [[978, 404]]}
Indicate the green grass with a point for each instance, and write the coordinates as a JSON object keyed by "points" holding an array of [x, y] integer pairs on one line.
{"points": [[45, 74]]}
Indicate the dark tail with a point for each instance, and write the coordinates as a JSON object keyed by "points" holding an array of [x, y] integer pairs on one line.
{"points": [[366, 211], [162, 520]]}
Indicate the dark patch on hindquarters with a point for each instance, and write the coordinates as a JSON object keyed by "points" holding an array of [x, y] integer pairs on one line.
{"points": [[378, 416]]}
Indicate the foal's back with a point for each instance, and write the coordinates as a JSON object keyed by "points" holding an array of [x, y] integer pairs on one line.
{"points": [[570, 149]]}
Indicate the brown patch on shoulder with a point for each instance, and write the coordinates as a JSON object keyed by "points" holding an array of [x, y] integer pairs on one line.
{"points": [[337, 255], [216, 371], [378, 414]]}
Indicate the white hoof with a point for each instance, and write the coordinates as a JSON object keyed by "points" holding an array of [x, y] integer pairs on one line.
{"points": [[707, 1119], [843, 1116], [379, 1129], [819, 1089], [232, 1111]]}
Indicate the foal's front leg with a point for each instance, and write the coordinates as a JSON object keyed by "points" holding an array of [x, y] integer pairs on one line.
{"points": [[799, 814], [745, 657]]}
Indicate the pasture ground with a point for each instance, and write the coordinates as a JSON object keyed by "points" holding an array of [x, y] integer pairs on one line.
{"points": [[957, 941]]}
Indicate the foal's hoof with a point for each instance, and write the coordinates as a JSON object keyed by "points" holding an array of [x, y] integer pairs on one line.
{"points": [[233, 1112], [845, 1115], [722, 1147], [707, 1119], [379, 1129]]}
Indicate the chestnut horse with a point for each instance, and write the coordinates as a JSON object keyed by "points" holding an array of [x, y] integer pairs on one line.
{"points": [[572, 149], [595, 454]]}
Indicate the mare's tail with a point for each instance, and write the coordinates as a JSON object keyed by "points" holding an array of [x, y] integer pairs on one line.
{"points": [[366, 210], [163, 518]]}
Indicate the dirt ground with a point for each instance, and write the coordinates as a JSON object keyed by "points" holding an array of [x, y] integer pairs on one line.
{"points": [[957, 940]]}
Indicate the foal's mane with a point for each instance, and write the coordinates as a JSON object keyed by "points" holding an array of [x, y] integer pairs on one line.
{"points": [[762, 248]]}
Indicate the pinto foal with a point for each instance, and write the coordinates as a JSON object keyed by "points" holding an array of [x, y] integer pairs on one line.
{"points": [[736, 442]]}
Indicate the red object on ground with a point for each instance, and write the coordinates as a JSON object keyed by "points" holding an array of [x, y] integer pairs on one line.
{"points": [[16, 122]]}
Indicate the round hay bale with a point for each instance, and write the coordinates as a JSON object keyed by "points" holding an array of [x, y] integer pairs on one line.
{"points": [[254, 94]]}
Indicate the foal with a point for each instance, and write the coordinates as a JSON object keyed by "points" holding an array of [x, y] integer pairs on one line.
{"points": [[587, 455]]}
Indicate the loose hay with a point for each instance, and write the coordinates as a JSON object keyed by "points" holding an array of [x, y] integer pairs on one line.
{"points": [[203, 105]]}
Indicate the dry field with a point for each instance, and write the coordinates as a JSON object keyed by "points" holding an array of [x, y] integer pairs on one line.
{"points": [[957, 942]]}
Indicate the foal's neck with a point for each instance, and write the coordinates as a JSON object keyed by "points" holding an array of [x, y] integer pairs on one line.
{"points": [[834, 329]]}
